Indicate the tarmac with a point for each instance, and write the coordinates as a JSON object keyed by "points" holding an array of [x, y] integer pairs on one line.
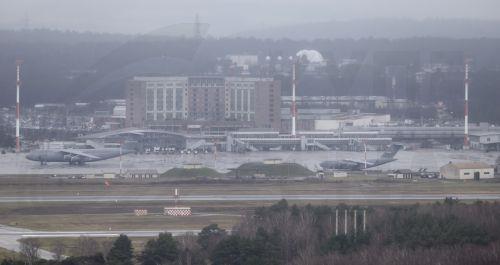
{"points": [[431, 159]]}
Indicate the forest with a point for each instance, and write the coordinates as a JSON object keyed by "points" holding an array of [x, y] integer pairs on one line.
{"points": [[65, 66], [445, 233]]}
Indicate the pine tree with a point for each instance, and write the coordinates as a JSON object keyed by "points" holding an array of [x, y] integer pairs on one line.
{"points": [[121, 252], [162, 250]]}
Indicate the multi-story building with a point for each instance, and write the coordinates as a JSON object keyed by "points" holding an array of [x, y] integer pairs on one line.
{"points": [[206, 98], [157, 100]]}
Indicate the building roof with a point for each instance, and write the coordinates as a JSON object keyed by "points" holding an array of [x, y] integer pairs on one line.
{"points": [[479, 134], [141, 171], [403, 171], [469, 165]]}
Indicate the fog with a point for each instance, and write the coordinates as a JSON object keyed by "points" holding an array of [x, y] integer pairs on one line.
{"points": [[226, 17]]}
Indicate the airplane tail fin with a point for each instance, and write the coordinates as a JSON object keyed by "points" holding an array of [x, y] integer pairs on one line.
{"points": [[393, 150]]}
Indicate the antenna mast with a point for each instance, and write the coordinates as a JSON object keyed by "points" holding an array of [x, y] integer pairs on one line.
{"points": [[466, 107], [18, 87], [294, 104]]}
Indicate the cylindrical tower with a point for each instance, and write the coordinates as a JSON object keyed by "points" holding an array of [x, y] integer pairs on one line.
{"points": [[294, 106], [466, 107], [18, 86]]}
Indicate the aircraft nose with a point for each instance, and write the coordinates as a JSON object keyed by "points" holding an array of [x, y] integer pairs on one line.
{"points": [[30, 157]]}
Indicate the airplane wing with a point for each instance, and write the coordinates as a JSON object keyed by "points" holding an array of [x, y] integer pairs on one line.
{"points": [[79, 153], [360, 162]]}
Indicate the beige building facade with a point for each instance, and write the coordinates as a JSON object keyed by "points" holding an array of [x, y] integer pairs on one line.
{"points": [[467, 170]]}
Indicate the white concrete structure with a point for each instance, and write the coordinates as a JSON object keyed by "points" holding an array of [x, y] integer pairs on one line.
{"points": [[362, 120], [402, 174], [243, 60], [485, 141], [340, 174], [467, 170], [141, 174], [177, 211], [273, 161]]}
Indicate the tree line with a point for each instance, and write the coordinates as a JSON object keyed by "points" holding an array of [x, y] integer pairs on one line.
{"points": [[443, 233], [69, 66]]}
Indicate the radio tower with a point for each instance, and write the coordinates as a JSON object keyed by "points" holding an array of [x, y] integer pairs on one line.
{"points": [[294, 105], [466, 116], [18, 85], [197, 27]]}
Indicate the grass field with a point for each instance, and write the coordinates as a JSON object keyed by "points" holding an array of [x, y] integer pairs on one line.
{"points": [[7, 254], [103, 216], [33, 186], [119, 216], [118, 221]]}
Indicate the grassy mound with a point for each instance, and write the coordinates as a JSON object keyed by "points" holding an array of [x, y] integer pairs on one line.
{"points": [[191, 173], [271, 170]]}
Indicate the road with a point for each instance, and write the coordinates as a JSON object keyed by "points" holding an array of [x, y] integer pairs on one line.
{"points": [[9, 236], [312, 197]]}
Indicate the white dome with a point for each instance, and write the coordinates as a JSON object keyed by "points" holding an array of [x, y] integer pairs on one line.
{"points": [[312, 56]]}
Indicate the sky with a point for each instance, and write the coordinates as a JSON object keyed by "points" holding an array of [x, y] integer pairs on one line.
{"points": [[225, 17]]}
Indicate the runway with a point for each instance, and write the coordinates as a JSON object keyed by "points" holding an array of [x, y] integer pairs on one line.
{"points": [[312, 197], [43, 234]]}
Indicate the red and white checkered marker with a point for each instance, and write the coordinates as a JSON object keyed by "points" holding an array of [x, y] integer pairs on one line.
{"points": [[140, 212], [177, 211]]}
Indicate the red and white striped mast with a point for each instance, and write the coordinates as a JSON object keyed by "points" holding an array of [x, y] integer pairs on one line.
{"points": [[294, 104], [466, 115], [18, 86]]}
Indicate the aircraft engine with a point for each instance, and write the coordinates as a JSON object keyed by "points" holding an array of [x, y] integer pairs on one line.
{"points": [[76, 159]]}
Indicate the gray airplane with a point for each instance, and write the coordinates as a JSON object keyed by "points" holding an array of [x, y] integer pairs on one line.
{"points": [[347, 164], [76, 156]]}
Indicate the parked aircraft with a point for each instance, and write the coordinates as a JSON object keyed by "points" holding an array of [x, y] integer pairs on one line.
{"points": [[347, 164], [76, 156]]}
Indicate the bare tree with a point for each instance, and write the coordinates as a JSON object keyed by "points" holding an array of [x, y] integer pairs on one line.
{"points": [[189, 248], [86, 246], [29, 250], [106, 245], [58, 250]]}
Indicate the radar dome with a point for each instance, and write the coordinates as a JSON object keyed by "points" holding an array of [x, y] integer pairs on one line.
{"points": [[312, 56]]}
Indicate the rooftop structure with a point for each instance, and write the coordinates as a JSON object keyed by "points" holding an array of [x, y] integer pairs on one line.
{"points": [[331, 119], [485, 141]]}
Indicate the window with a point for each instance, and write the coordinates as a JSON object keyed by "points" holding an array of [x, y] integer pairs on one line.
{"points": [[179, 102], [150, 97], [159, 99]]}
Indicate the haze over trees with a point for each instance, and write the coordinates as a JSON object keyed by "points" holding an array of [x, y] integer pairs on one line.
{"points": [[71, 66]]}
